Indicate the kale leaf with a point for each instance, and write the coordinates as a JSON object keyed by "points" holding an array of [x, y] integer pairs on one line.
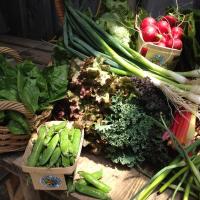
{"points": [[128, 132]]}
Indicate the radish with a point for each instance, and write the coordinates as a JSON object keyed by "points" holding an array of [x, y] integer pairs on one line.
{"points": [[143, 51], [150, 34], [163, 26], [170, 19], [147, 21], [177, 32], [161, 44], [174, 43]]}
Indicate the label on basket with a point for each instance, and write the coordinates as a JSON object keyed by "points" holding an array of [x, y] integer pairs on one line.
{"points": [[50, 181]]}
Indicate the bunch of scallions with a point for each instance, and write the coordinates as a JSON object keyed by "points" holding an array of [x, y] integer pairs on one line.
{"points": [[83, 38]]}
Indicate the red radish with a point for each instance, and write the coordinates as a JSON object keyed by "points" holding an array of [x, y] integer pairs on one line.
{"points": [[164, 39], [177, 32], [163, 26], [150, 34], [174, 43], [147, 21], [143, 51], [161, 44], [170, 19]]}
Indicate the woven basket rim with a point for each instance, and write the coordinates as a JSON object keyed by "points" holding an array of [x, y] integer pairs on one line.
{"points": [[11, 52]]}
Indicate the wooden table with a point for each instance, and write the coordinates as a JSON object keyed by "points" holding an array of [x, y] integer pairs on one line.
{"points": [[124, 182]]}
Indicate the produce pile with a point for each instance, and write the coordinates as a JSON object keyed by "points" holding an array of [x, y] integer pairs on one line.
{"points": [[36, 88], [117, 95], [56, 146], [117, 113], [78, 28]]}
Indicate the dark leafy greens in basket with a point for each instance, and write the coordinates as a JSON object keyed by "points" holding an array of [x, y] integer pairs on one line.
{"points": [[35, 88]]}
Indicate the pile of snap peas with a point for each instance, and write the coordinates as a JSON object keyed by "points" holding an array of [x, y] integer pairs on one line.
{"points": [[56, 146], [89, 184]]}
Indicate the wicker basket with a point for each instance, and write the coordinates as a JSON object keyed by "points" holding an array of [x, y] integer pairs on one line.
{"points": [[8, 141], [11, 52]]}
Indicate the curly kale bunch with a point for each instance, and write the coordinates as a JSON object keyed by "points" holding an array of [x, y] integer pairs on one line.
{"points": [[130, 133]]}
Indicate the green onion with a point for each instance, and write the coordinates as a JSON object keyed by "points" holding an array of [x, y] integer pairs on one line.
{"points": [[187, 189]]}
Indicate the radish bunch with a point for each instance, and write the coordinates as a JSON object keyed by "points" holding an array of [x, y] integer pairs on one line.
{"points": [[164, 33]]}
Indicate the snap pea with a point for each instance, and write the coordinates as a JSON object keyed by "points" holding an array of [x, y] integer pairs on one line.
{"points": [[76, 141], [97, 175], [64, 142], [70, 184], [72, 160], [37, 148], [49, 150], [91, 191], [55, 156], [50, 133], [47, 140], [59, 126], [65, 161], [98, 184]]}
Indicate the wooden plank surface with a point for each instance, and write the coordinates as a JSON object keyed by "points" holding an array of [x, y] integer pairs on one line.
{"points": [[125, 182], [28, 43], [37, 51]]}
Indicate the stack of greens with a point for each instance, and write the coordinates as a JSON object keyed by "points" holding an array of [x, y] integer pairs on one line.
{"points": [[116, 113], [34, 87], [84, 38]]}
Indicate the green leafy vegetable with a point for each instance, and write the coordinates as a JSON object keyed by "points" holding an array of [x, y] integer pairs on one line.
{"points": [[35, 88], [57, 80], [16, 128], [2, 116], [18, 117], [128, 132]]}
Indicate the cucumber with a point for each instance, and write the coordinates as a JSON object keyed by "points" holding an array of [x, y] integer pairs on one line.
{"points": [[37, 148], [49, 150], [55, 157], [76, 141]]}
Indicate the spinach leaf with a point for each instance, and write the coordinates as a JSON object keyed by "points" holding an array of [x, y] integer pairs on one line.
{"points": [[57, 80], [2, 116], [16, 128], [8, 94], [20, 118]]}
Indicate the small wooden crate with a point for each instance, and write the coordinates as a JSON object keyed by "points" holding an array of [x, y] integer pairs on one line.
{"points": [[44, 178]]}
